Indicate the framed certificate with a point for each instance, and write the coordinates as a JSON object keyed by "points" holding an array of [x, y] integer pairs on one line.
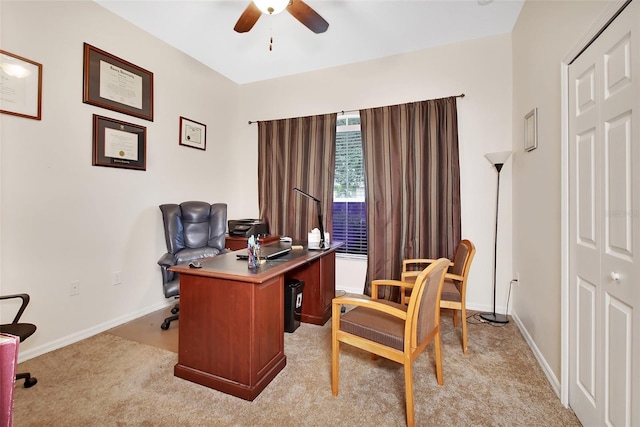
{"points": [[119, 144], [20, 86], [193, 134], [115, 84]]}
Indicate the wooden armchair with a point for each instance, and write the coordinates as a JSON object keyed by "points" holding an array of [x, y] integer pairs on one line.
{"points": [[394, 331], [455, 283]]}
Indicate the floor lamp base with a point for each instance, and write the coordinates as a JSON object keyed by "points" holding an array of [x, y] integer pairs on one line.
{"points": [[494, 318]]}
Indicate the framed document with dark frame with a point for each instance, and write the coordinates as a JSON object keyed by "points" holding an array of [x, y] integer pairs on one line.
{"points": [[531, 130], [193, 134], [119, 144], [115, 84], [20, 86]]}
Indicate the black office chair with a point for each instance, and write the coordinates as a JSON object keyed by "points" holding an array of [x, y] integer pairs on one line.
{"points": [[21, 330], [193, 230]]}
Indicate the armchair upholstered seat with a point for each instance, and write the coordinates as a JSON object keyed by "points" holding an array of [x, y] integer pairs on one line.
{"points": [[193, 230], [394, 331]]}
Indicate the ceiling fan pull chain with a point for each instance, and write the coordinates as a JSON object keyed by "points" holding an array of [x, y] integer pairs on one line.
{"points": [[270, 33]]}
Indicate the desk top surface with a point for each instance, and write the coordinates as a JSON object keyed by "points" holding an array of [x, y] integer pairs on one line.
{"points": [[228, 266]]}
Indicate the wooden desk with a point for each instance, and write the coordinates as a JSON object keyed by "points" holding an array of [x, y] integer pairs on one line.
{"points": [[231, 328]]}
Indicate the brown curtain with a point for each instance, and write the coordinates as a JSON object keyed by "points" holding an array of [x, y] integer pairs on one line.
{"points": [[412, 184], [298, 152]]}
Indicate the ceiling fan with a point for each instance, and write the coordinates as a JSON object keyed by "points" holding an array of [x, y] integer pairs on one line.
{"points": [[299, 9]]}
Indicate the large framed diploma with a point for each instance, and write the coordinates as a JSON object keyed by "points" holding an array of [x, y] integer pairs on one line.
{"points": [[115, 84], [119, 144], [20, 86], [193, 134]]}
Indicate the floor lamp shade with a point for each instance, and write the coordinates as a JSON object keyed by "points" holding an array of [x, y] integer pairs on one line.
{"points": [[497, 160]]}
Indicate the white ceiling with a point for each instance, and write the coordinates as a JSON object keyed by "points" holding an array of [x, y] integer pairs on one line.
{"points": [[359, 30]]}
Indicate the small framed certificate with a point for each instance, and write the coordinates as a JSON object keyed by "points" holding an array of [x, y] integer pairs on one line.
{"points": [[20, 86], [119, 144], [193, 134]]}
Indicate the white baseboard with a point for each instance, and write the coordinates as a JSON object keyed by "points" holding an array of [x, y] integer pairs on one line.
{"points": [[80, 335], [553, 380], [350, 290]]}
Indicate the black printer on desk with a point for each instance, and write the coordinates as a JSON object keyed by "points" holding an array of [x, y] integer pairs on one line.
{"points": [[248, 227]]}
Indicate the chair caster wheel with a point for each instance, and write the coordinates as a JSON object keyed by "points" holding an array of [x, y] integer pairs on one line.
{"points": [[174, 310], [30, 382], [164, 326]]}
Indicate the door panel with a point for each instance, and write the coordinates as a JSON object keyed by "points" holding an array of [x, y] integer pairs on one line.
{"points": [[618, 363], [618, 186], [586, 345], [604, 230], [586, 190]]}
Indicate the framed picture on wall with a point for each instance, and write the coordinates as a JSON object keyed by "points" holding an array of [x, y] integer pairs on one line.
{"points": [[531, 130], [193, 134], [20, 86], [119, 144], [115, 84]]}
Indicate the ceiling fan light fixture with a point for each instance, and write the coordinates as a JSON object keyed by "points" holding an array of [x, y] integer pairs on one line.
{"points": [[271, 7]]}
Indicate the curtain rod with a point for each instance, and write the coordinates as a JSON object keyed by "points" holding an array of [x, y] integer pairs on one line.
{"points": [[353, 111]]}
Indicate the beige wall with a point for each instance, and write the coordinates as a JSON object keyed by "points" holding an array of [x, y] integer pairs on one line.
{"points": [[545, 33]]}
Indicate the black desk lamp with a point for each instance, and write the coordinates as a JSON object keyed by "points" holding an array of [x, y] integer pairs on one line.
{"points": [[497, 160], [321, 245]]}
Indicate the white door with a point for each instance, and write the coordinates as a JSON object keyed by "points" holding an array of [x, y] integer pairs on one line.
{"points": [[604, 236]]}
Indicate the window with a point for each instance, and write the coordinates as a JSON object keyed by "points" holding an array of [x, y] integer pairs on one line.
{"points": [[349, 214]]}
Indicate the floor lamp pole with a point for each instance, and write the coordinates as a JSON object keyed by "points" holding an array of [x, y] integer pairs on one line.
{"points": [[493, 317]]}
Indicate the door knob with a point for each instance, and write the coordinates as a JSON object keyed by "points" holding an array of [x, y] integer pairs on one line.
{"points": [[615, 276]]}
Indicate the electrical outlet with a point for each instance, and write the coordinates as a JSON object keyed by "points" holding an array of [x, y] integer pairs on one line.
{"points": [[74, 288], [117, 278]]}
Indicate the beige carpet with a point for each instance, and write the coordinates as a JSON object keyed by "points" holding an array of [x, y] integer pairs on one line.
{"points": [[108, 380]]}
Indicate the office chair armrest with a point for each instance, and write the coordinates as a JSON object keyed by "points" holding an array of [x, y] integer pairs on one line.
{"points": [[369, 303], [167, 260], [25, 300]]}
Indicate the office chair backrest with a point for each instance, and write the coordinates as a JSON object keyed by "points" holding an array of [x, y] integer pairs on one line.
{"points": [[193, 230], [194, 225]]}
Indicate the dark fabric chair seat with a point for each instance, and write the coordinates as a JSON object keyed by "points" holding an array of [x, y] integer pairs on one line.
{"points": [[375, 326], [450, 292], [21, 330]]}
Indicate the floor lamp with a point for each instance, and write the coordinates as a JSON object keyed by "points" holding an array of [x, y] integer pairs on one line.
{"points": [[497, 160]]}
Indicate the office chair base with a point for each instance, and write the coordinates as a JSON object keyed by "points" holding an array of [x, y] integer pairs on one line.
{"points": [[167, 322], [29, 381]]}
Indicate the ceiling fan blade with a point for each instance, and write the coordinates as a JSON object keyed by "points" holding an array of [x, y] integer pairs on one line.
{"points": [[307, 16], [248, 19]]}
